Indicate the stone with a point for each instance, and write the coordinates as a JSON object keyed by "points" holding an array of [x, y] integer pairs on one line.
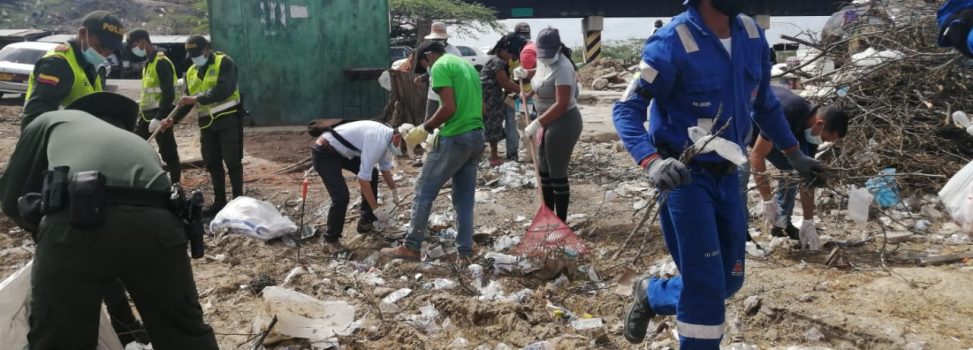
{"points": [[814, 335], [599, 84], [751, 305]]}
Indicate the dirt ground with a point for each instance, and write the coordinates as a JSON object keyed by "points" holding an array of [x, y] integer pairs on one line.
{"points": [[803, 303]]}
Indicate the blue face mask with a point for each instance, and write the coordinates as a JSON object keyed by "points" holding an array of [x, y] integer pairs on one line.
{"points": [[811, 138], [92, 56], [200, 60], [138, 52]]}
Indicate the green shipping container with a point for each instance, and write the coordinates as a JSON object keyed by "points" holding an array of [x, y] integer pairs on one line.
{"points": [[305, 59]]}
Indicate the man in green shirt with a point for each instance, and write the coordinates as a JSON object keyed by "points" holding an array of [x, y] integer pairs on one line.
{"points": [[456, 152], [134, 237]]}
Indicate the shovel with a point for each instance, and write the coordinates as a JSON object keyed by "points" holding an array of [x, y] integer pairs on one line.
{"points": [[168, 117], [547, 232]]}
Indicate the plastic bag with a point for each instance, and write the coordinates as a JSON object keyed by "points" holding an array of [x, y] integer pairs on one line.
{"points": [[253, 218], [302, 316], [957, 197], [884, 188], [858, 202], [14, 293]]}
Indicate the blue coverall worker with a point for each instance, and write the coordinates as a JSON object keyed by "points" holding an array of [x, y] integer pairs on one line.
{"points": [[955, 19], [706, 68]]}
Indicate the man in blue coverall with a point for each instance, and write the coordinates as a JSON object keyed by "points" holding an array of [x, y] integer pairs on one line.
{"points": [[955, 20], [707, 67]]}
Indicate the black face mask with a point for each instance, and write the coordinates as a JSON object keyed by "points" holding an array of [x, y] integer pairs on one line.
{"points": [[731, 8]]}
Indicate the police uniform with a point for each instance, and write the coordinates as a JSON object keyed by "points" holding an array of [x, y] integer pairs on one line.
{"points": [[141, 243], [220, 122], [59, 78], [691, 79], [155, 102]]}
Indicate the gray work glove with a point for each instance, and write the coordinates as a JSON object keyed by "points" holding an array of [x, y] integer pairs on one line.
{"points": [[668, 173], [809, 168]]}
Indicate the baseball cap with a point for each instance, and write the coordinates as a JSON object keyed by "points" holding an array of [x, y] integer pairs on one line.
{"points": [[548, 43], [113, 108], [438, 31], [195, 45], [523, 28], [106, 27], [424, 48], [512, 42], [135, 35]]}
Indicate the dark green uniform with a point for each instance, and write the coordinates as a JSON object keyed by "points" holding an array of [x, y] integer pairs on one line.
{"points": [[53, 80], [145, 247], [165, 75], [221, 130]]}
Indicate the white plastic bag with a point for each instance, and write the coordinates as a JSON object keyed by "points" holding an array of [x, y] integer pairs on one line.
{"points": [[957, 197], [303, 316], [14, 293], [858, 201], [253, 218]]}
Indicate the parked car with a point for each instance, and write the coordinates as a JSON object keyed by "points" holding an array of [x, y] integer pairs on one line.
{"points": [[475, 57], [17, 62], [400, 52]]}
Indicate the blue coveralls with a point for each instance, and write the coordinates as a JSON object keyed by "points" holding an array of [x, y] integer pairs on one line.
{"points": [[950, 8], [689, 75]]}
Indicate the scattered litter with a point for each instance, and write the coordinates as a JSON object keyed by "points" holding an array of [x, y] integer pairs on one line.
{"points": [[505, 242], [922, 225], [396, 296], [583, 324], [458, 344], [252, 218], [440, 283], [426, 319], [520, 218], [476, 270], [640, 204], [813, 335], [958, 238], [541, 345], [956, 197], [751, 305], [664, 267], [858, 202], [302, 316], [871, 57], [742, 346], [561, 282], [754, 251], [884, 188], [297, 271]]}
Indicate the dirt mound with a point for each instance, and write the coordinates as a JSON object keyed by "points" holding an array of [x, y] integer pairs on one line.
{"points": [[604, 74]]}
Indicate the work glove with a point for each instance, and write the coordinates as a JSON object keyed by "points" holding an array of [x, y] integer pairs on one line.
{"points": [[809, 236], [809, 168], [416, 135], [520, 73], [963, 121], [154, 125], [771, 212], [668, 173], [534, 131]]}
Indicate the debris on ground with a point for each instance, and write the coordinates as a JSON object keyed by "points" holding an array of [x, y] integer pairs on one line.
{"points": [[605, 74]]}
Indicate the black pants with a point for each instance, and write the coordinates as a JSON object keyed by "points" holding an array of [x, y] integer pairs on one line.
{"points": [[167, 146], [221, 143], [123, 321], [329, 165]]}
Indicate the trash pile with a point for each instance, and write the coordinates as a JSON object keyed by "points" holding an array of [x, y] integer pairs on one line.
{"points": [[885, 68], [605, 74]]}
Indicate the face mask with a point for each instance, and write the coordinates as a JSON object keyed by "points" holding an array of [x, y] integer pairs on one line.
{"points": [[811, 138], [548, 61], [92, 56], [731, 8], [200, 60], [394, 150], [138, 52]]}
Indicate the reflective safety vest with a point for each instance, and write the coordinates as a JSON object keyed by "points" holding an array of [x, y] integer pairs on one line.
{"points": [[81, 86], [151, 86], [198, 86]]}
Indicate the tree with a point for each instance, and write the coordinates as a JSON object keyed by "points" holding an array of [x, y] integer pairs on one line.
{"points": [[411, 19]]}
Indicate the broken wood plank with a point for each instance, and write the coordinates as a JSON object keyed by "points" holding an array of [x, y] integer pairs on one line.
{"points": [[945, 259]]}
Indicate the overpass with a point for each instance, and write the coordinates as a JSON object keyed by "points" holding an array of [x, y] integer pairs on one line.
{"points": [[593, 12]]}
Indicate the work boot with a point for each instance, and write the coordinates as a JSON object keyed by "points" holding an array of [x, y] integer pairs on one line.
{"points": [[790, 232], [402, 252], [213, 209], [639, 313], [365, 227]]}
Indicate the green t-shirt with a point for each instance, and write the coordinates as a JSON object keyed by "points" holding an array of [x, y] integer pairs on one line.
{"points": [[457, 73]]}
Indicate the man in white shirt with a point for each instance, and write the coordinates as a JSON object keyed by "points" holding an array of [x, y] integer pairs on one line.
{"points": [[357, 147]]}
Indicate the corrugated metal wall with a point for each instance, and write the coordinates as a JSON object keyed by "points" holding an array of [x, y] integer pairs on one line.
{"points": [[292, 53]]}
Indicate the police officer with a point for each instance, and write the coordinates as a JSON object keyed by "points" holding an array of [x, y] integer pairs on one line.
{"points": [[106, 216], [70, 70], [211, 85], [156, 100], [706, 68], [955, 19]]}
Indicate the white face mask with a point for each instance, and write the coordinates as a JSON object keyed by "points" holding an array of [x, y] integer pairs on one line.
{"points": [[200, 60], [549, 61], [138, 52], [812, 138]]}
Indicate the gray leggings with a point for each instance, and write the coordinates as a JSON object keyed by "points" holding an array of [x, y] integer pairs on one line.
{"points": [[560, 137]]}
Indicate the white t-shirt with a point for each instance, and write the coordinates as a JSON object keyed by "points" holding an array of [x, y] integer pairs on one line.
{"points": [[372, 140], [449, 49], [728, 45]]}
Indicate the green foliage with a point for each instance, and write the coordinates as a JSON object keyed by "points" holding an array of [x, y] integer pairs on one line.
{"points": [[461, 17], [628, 52]]}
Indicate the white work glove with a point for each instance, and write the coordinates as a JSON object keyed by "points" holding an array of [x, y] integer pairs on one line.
{"points": [[963, 121], [395, 195], [771, 212], [154, 125], [668, 173], [382, 215], [809, 236], [416, 135], [520, 73], [532, 130]]}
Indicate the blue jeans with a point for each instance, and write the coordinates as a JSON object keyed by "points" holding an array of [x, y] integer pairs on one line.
{"points": [[456, 158], [510, 130]]}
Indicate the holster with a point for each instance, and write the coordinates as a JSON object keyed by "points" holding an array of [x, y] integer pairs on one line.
{"points": [[54, 191], [87, 190]]}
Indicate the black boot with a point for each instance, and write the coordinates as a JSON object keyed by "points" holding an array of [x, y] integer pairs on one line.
{"points": [[639, 313], [214, 208]]}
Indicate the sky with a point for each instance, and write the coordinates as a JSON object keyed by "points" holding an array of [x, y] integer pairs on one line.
{"points": [[626, 28]]}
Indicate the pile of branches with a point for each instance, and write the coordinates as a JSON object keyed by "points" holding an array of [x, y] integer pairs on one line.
{"points": [[901, 102]]}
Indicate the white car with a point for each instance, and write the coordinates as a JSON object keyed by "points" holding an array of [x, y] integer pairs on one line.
{"points": [[475, 57], [17, 62]]}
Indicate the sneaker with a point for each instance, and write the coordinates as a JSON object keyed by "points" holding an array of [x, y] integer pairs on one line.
{"points": [[213, 209], [639, 313], [401, 252], [365, 227], [333, 248]]}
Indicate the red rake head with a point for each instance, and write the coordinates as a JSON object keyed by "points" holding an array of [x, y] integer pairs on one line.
{"points": [[547, 233]]}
